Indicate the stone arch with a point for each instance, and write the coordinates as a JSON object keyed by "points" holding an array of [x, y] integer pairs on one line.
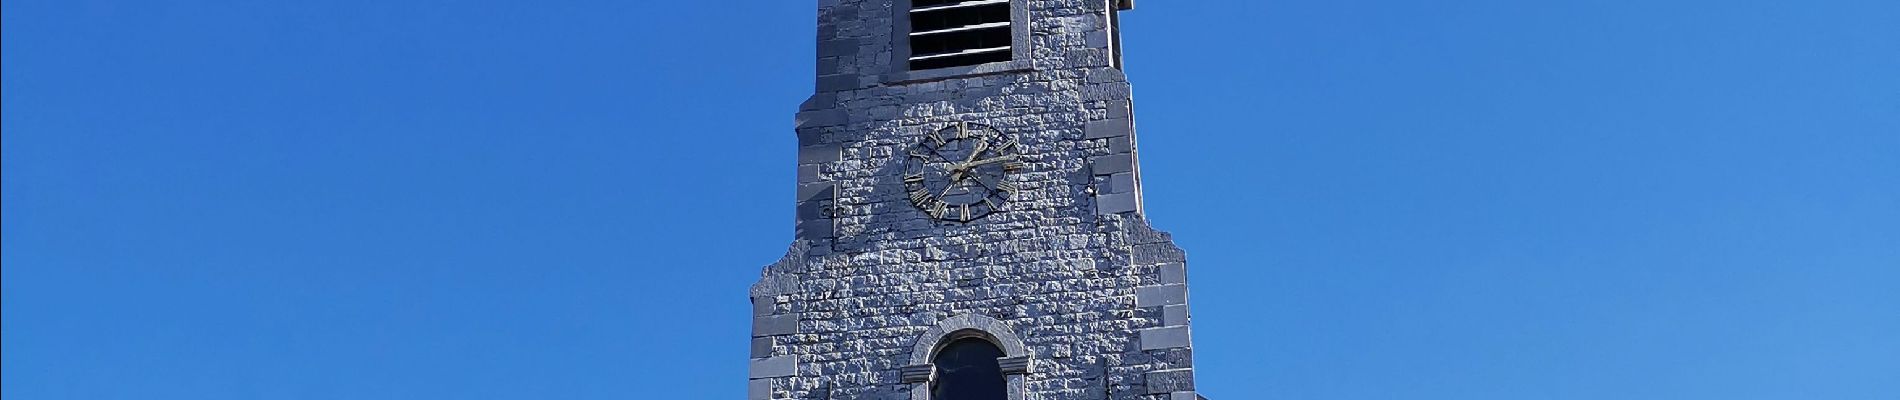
{"points": [[1015, 364], [965, 326]]}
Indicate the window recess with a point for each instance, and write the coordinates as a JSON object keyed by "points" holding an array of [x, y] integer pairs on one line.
{"points": [[954, 33]]}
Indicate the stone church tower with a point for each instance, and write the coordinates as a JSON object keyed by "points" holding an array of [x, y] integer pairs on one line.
{"points": [[969, 215]]}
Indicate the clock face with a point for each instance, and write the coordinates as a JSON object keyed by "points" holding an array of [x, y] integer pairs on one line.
{"points": [[961, 172]]}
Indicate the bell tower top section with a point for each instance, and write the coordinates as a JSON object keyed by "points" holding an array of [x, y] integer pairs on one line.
{"points": [[969, 219], [971, 112], [900, 41]]}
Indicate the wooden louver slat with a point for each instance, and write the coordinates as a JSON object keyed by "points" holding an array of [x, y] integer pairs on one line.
{"points": [[952, 33]]}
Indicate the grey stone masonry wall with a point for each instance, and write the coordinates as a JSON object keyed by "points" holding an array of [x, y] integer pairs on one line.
{"points": [[1069, 267]]}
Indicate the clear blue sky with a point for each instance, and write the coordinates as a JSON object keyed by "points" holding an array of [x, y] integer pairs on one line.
{"points": [[1495, 199]]}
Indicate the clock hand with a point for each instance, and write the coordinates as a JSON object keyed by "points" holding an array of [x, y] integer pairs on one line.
{"points": [[980, 146], [957, 169], [956, 172], [969, 164]]}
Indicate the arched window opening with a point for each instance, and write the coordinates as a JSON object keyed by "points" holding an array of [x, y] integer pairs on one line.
{"points": [[967, 369]]}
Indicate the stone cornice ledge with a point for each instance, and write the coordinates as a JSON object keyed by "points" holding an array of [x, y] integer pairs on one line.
{"points": [[1001, 67]]}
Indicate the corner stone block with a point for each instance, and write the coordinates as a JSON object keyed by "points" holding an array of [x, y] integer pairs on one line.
{"points": [[774, 367], [1121, 183], [839, 82], [1114, 203], [816, 191], [1162, 295], [810, 135], [1175, 315], [809, 173], [827, 65], [1172, 273], [761, 389], [773, 325], [1188, 395], [1122, 144], [1112, 164], [1106, 128], [820, 154], [1179, 357], [1120, 110], [837, 47], [1164, 338], [1170, 381], [761, 306], [761, 347]]}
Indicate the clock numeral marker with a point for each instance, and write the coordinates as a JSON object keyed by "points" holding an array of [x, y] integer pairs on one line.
{"points": [[963, 130], [1008, 144], [966, 213], [992, 204], [1013, 166], [915, 178], [918, 196], [939, 209], [938, 139]]}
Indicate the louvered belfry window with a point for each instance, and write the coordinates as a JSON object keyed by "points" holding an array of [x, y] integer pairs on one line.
{"points": [[954, 33]]}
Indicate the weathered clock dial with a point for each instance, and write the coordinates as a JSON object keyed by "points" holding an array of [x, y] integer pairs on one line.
{"points": [[961, 172]]}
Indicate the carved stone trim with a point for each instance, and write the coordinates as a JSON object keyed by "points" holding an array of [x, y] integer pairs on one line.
{"points": [[917, 373], [1014, 365]]}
